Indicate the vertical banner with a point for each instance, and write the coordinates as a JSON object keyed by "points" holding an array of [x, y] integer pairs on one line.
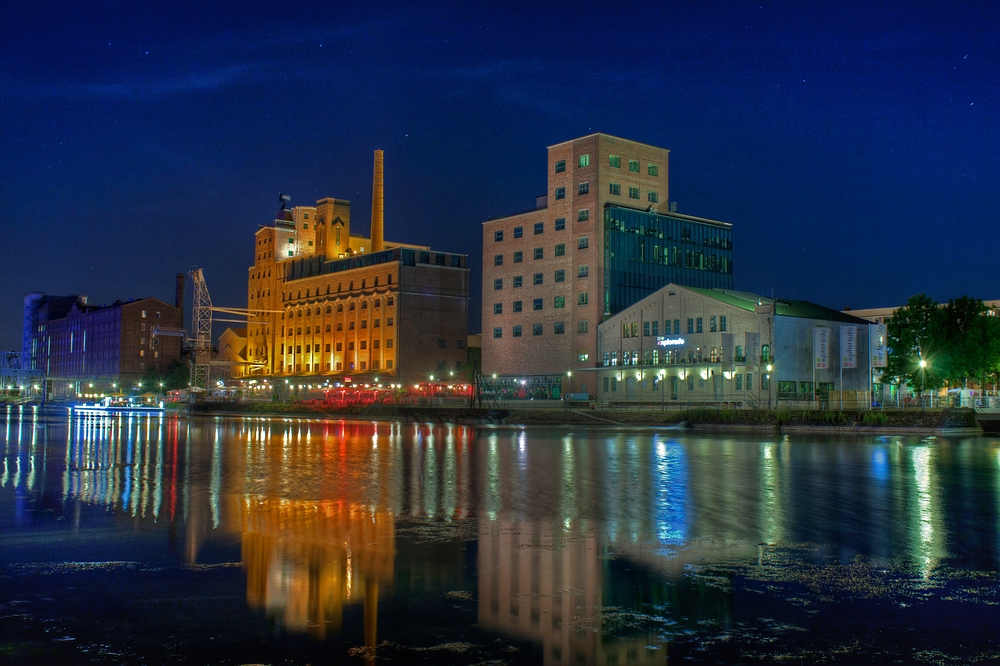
{"points": [[878, 338], [727, 349], [753, 349], [821, 348], [848, 346]]}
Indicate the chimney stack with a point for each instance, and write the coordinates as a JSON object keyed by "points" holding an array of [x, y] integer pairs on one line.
{"points": [[378, 213], [179, 293]]}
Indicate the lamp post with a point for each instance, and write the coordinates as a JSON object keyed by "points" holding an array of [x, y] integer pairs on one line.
{"points": [[769, 387], [923, 371]]}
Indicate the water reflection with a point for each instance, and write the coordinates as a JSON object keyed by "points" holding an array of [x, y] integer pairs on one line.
{"points": [[588, 544]]}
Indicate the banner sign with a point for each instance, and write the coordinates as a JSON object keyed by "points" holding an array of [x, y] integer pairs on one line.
{"points": [[848, 346], [821, 348], [753, 349], [878, 339], [727, 348]]}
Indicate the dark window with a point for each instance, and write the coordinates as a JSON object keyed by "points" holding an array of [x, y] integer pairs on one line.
{"points": [[516, 332], [498, 260], [518, 257], [560, 249], [539, 227], [497, 236], [560, 166], [560, 193], [560, 223], [559, 328], [517, 281], [560, 276], [539, 252], [584, 188], [536, 329], [518, 232], [497, 332], [538, 278], [498, 308], [517, 306], [536, 304], [442, 343], [497, 284]]}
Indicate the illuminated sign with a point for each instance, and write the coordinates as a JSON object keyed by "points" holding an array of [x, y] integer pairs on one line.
{"points": [[669, 342]]}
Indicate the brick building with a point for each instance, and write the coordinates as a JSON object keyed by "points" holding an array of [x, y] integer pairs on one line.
{"points": [[67, 338], [595, 243], [328, 303]]}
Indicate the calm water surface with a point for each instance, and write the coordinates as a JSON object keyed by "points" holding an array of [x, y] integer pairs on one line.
{"points": [[236, 541]]}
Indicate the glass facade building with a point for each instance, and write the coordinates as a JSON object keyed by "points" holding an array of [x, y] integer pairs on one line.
{"points": [[645, 251]]}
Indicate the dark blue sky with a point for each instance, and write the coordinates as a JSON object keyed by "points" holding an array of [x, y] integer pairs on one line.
{"points": [[854, 146]]}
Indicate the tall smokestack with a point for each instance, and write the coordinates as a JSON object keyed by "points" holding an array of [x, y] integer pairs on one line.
{"points": [[378, 212], [179, 292]]}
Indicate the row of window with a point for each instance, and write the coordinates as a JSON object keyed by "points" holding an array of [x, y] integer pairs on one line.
{"points": [[694, 325], [338, 366], [340, 288], [614, 161], [376, 303], [611, 383], [558, 328], [582, 243], [539, 228], [376, 323], [677, 356]]}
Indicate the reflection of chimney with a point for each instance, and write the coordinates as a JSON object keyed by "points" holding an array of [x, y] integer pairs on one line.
{"points": [[378, 215], [179, 294]]}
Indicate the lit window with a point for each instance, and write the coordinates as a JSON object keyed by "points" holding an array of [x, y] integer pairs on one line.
{"points": [[560, 166], [582, 355], [633, 192], [560, 223], [615, 161], [652, 170], [560, 249], [584, 160], [584, 188], [560, 302], [583, 215], [633, 165]]}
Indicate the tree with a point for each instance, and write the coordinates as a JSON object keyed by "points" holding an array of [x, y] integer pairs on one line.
{"points": [[965, 336], [916, 331], [176, 375]]}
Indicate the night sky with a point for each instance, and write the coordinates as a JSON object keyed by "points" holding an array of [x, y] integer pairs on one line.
{"points": [[855, 147]]}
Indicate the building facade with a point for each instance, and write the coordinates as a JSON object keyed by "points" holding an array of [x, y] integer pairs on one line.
{"points": [[327, 303], [596, 243], [66, 338], [716, 346]]}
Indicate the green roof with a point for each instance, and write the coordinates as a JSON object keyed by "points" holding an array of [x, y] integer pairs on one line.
{"points": [[785, 308]]}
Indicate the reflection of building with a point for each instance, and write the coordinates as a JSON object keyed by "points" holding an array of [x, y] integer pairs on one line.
{"points": [[306, 559], [713, 345], [68, 338], [595, 244], [334, 304]]}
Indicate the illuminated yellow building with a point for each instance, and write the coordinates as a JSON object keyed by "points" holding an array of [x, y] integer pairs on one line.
{"points": [[328, 303]]}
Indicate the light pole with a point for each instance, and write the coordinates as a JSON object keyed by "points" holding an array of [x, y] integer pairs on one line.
{"points": [[923, 366], [769, 387]]}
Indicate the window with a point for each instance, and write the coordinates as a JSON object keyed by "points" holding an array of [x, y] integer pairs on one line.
{"points": [[143, 314], [584, 161], [765, 382], [712, 324], [364, 344], [656, 326], [310, 243], [582, 271], [377, 323], [498, 308], [584, 188], [583, 242], [645, 329], [388, 343], [539, 227], [765, 353], [582, 355], [652, 170], [615, 189], [538, 278], [690, 325], [581, 327], [536, 304], [560, 249], [517, 281], [722, 322], [497, 284], [677, 326], [518, 256], [560, 223], [560, 166], [536, 329], [518, 232], [350, 326], [340, 346], [699, 324], [615, 161], [459, 344], [498, 260], [559, 302], [582, 298], [442, 343], [750, 381], [633, 192], [652, 196], [539, 253], [497, 332], [560, 193], [583, 215], [388, 321], [560, 276], [633, 166], [517, 306], [340, 325], [497, 236], [559, 328], [516, 332]]}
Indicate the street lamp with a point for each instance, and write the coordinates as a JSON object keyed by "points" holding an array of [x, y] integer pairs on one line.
{"points": [[769, 387], [923, 372]]}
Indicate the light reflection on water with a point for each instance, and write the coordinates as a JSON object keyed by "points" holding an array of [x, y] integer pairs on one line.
{"points": [[590, 544]]}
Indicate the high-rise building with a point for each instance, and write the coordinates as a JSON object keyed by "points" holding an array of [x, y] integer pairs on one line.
{"points": [[596, 243], [345, 307]]}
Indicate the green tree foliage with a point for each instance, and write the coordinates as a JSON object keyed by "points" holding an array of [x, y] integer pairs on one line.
{"points": [[176, 375], [916, 332]]}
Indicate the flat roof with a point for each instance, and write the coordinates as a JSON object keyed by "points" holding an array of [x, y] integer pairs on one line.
{"points": [[610, 136]]}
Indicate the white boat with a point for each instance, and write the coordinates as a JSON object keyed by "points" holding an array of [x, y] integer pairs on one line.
{"points": [[117, 406]]}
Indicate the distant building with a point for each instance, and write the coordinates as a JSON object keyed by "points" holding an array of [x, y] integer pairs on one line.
{"points": [[348, 308], [601, 239], [688, 345], [67, 338]]}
